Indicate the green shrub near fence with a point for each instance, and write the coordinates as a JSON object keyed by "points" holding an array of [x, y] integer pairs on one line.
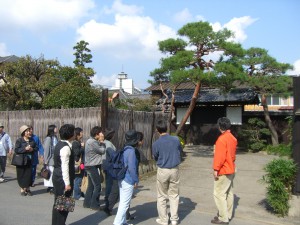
{"points": [[280, 178], [281, 150]]}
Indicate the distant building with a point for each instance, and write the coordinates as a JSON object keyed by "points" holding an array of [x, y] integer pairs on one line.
{"points": [[125, 84], [6, 59]]}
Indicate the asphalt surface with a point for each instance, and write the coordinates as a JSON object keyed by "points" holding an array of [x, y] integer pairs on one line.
{"points": [[196, 202]]}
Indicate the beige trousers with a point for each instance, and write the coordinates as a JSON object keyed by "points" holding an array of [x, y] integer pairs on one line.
{"points": [[167, 188], [223, 196]]}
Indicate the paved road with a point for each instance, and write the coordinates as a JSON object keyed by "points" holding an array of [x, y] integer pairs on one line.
{"points": [[196, 203]]}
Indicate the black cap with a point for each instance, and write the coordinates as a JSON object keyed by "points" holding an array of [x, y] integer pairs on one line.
{"points": [[131, 138]]}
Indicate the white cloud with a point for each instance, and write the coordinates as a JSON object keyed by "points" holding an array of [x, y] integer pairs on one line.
{"points": [[237, 26], [129, 36], [105, 81], [3, 50], [184, 16], [296, 70], [119, 8], [43, 15]]}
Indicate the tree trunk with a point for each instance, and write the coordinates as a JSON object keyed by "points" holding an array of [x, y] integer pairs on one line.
{"points": [[171, 112], [190, 109], [274, 135]]}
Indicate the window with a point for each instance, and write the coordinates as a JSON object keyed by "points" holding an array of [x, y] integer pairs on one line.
{"points": [[234, 114], [277, 100], [180, 114]]}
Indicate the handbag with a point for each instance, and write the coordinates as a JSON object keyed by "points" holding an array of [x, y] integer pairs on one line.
{"points": [[45, 173], [63, 203], [84, 184], [19, 160]]}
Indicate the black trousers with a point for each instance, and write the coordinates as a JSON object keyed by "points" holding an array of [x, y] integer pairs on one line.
{"points": [[59, 217]]}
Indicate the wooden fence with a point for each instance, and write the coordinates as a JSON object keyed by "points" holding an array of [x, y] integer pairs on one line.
{"points": [[86, 118]]}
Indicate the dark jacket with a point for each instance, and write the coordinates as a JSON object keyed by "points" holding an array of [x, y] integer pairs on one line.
{"points": [[21, 144]]}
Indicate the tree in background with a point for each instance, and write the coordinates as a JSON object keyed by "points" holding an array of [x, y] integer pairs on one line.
{"points": [[27, 81], [194, 57], [76, 93], [266, 76], [32, 83], [83, 57]]}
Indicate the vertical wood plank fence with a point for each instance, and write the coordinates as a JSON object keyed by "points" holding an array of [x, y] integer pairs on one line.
{"points": [[86, 118]]}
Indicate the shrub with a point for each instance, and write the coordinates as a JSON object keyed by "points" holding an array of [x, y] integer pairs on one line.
{"points": [[281, 150], [280, 179], [181, 139], [254, 134]]}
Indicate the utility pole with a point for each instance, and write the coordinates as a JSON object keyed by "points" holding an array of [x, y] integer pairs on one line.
{"points": [[296, 131]]}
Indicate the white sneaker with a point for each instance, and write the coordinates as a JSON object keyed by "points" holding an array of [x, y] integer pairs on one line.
{"points": [[81, 199], [174, 222], [2, 180], [161, 222]]}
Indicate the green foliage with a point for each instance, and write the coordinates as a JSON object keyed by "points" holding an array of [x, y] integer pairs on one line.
{"points": [[27, 82], [82, 54], [281, 150], [193, 52], [280, 178], [83, 57], [77, 93], [181, 139], [135, 104], [254, 134]]}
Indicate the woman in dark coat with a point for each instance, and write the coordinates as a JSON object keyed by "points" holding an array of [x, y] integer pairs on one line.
{"points": [[64, 171], [25, 145]]}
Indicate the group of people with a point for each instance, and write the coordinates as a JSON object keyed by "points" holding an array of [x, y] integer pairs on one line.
{"points": [[93, 157]]}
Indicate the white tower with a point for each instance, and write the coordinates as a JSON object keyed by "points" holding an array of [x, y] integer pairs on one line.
{"points": [[122, 76]]}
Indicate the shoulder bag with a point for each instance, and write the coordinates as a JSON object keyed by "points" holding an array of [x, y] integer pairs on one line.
{"points": [[19, 160]]}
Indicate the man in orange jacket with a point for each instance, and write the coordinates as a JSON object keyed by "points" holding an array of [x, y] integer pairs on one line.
{"points": [[224, 169]]}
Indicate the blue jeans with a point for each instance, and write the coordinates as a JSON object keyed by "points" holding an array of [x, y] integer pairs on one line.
{"points": [[33, 173], [77, 184], [126, 191], [108, 186], [91, 198]]}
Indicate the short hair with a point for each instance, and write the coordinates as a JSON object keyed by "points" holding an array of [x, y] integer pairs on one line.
{"points": [[78, 130], [66, 131], [224, 123], [161, 126], [95, 130], [140, 136]]}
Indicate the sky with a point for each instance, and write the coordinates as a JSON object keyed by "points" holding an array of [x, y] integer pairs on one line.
{"points": [[123, 34]]}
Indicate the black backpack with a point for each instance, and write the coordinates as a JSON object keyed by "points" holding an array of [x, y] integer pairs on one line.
{"points": [[116, 167]]}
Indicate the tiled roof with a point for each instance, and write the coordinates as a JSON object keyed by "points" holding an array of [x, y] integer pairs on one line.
{"points": [[215, 96], [182, 86], [11, 58]]}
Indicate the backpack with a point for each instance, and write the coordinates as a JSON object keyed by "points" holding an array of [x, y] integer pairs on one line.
{"points": [[116, 167]]}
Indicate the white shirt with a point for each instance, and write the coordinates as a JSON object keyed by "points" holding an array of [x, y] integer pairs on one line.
{"points": [[65, 154]]}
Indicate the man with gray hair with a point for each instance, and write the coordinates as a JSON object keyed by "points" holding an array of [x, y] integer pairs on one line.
{"points": [[5, 148]]}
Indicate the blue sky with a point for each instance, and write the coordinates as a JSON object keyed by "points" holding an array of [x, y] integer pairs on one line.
{"points": [[123, 34]]}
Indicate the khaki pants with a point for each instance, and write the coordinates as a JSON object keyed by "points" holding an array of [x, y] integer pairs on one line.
{"points": [[167, 188], [223, 196]]}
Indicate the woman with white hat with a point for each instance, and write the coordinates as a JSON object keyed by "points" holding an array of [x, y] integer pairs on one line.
{"points": [[25, 145]]}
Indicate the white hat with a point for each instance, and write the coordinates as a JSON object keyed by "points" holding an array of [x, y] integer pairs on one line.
{"points": [[23, 128]]}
